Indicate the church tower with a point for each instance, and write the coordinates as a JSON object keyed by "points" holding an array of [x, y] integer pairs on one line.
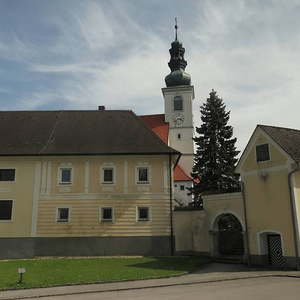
{"points": [[178, 97]]}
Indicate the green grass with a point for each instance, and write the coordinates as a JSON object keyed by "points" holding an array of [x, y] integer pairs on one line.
{"points": [[61, 271]]}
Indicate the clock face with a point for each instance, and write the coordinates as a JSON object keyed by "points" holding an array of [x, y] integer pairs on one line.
{"points": [[178, 119]]}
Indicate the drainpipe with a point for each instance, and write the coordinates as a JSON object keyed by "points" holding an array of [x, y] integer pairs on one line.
{"points": [[294, 217], [171, 204], [246, 222]]}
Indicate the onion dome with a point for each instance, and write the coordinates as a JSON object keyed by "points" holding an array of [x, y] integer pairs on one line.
{"points": [[177, 64]]}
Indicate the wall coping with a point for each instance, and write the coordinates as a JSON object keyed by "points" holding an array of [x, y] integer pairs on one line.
{"points": [[224, 196]]}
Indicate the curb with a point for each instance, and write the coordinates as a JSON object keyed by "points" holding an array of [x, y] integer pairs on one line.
{"points": [[146, 287]]}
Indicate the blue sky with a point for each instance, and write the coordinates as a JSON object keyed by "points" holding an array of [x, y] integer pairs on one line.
{"points": [[75, 54]]}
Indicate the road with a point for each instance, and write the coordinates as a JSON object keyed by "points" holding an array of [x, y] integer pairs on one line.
{"points": [[246, 289]]}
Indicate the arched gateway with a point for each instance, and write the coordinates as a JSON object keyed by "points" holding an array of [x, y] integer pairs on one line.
{"points": [[229, 239]]}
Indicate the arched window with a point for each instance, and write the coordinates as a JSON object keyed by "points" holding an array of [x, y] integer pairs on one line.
{"points": [[178, 103]]}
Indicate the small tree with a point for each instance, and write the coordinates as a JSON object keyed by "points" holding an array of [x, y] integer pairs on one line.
{"points": [[215, 157]]}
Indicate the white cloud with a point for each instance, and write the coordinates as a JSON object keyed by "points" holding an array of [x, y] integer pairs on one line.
{"points": [[246, 50]]}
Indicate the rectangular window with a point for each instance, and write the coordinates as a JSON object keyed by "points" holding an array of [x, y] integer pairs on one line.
{"points": [[182, 187], [143, 176], [7, 174], [6, 209], [63, 214], [108, 175], [106, 214], [178, 103], [143, 214], [262, 152], [65, 175]]}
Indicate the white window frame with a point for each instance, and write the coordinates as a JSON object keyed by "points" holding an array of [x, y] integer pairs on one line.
{"points": [[262, 161], [107, 165], [101, 220], [9, 181], [60, 175], [137, 174], [149, 213], [113, 168], [69, 214], [12, 210]]}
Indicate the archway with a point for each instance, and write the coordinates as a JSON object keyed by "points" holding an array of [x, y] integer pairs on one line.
{"points": [[230, 240]]}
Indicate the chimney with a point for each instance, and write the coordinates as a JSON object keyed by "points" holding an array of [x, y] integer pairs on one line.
{"points": [[101, 107]]}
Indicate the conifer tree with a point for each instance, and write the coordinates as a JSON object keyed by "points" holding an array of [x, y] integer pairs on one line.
{"points": [[215, 157]]}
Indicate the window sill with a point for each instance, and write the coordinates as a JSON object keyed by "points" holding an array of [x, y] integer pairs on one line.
{"points": [[143, 182]]}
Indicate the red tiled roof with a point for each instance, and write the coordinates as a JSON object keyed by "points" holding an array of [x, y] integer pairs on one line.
{"points": [[158, 125], [180, 175]]}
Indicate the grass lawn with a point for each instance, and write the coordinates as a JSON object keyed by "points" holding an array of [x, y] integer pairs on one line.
{"points": [[59, 271]]}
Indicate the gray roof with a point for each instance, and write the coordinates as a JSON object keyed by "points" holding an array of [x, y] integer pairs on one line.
{"points": [[77, 133], [288, 139]]}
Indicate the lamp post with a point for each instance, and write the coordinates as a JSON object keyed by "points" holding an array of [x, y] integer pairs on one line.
{"points": [[21, 271]]}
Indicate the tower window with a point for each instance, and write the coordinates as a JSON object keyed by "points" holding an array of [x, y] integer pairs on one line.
{"points": [[179, 136], [178, 103]]}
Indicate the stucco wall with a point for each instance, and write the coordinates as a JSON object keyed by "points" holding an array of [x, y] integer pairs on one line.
{"points": [[182, 196], [267, 197], [21, 192], [218, 204], [190, 230], [37, 194]]}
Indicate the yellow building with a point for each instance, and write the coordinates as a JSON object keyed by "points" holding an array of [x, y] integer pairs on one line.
{"points": [[260, 225], [269, 168], [83, 183]]}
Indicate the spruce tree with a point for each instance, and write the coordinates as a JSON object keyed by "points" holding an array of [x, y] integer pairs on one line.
{"points": [[215, 157]]}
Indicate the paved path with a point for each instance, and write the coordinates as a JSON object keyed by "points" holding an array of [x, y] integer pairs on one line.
{"points": [[209, 273]]}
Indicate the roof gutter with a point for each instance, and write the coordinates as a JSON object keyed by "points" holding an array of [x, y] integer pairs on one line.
{"points": [[246, 222], [177, 160], [294, 217]]}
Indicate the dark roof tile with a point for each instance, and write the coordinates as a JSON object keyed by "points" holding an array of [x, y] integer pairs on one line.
{"points": [[77, 132], [288, 139]]}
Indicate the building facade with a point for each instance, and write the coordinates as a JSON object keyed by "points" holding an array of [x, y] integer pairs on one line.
{"points": [[64, 192], [269, 169]]}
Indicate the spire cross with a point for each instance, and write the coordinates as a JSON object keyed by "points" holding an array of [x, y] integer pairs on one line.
{"points": [[176, 27]]}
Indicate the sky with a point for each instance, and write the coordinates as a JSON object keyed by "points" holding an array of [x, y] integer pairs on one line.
{"points": [[75, 54]]}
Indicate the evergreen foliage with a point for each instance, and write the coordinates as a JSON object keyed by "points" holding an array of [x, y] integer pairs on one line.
{"points": [[215, 157]]}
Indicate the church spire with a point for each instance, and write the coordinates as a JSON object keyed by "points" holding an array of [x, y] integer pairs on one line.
{"points": [[176, 27], [177, 64]]}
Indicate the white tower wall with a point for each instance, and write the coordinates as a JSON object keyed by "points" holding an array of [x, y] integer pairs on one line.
{"points": [[181, 134]]}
